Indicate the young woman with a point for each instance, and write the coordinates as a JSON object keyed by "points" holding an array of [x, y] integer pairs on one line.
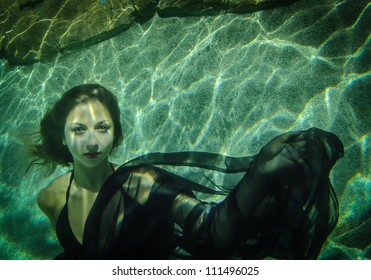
{"points": [[284, 206]]}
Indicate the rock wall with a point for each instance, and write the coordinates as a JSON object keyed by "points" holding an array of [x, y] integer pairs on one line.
{"points": [[37, 30], [207, 7]]}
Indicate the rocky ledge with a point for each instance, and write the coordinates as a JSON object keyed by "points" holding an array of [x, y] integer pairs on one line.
{"points": [[37, 30]]}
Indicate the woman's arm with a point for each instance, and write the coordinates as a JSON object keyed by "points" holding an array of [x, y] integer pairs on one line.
{"points": [[282, 203]]}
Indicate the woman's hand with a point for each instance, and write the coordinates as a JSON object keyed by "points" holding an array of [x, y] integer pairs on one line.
{"points": [[312, 150], [284, 153]]}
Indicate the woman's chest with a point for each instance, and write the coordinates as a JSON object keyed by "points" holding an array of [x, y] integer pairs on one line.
{"points": [[79, 205]]}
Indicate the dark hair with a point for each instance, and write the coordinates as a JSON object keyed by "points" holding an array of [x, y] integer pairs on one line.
{"points": [[49, 148]]}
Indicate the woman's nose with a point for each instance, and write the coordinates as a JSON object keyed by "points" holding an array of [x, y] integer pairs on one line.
{"points": [[92, 142]]}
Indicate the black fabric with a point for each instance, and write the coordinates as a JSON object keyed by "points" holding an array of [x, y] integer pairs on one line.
{"points": [[283, 207], [205, 160], [66, 237]]}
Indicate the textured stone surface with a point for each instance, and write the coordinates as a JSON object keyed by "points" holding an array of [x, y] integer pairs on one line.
{"points": [[34, 30], [7, 10], [357, 237], [50, 27], [209, 7]]}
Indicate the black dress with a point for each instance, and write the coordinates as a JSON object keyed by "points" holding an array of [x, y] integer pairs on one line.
{"points": [[283, 207]]}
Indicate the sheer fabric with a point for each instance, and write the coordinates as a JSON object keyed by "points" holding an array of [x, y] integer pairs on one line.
{"points": [[284, 206]]}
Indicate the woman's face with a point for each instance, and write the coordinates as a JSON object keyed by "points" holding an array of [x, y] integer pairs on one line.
{"points": [[89, 133]]}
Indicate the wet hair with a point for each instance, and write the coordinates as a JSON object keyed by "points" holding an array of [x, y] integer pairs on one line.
{"points": [[49, 149]]}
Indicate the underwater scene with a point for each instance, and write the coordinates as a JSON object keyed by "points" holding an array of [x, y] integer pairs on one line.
{"points": [[220, 82]]}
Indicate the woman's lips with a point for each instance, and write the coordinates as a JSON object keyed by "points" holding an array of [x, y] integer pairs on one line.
{"points": [[92, 155]]}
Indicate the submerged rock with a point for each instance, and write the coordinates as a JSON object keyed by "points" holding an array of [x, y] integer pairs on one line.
{"points": [[210, 7], [36, 30], [358, 237]]}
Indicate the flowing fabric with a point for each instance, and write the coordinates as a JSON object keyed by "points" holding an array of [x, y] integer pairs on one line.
{"points": [[283, 207]]}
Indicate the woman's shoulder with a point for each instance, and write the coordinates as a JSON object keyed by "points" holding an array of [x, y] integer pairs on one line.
{"points": [[58, 184], [52, 197], [138, 181], [146, 173]]}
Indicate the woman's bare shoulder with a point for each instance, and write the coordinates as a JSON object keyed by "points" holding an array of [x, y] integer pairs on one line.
{"points": [[52, 198]]}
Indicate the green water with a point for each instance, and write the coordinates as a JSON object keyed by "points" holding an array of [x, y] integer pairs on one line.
{"points": [[224, 84]]}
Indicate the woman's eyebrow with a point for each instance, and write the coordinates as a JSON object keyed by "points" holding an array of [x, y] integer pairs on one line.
{"points": [[100, 122], [76, 123], [104, 121]]}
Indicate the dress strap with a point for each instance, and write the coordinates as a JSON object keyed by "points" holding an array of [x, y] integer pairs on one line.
{"points": [[113, 168], [69, 186]]}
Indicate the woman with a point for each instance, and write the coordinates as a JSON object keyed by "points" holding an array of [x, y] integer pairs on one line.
{"points": [[284, 206]]}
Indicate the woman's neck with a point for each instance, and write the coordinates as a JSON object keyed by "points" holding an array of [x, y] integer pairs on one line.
{"points": [[92, 178]]}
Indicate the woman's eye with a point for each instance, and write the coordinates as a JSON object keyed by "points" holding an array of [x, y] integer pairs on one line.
{"points": [[103, 128], [78, 130]]}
